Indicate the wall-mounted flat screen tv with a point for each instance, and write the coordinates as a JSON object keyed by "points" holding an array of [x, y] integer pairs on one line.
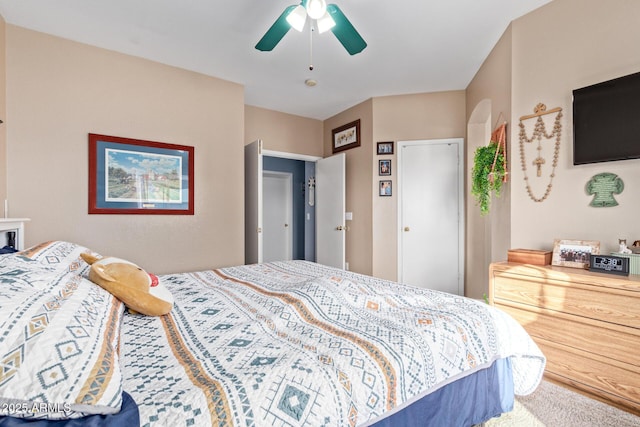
{"points": [[606, 121]]}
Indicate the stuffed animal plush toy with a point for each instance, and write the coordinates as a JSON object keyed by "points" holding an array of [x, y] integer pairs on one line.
{"points": [[137, 289]]}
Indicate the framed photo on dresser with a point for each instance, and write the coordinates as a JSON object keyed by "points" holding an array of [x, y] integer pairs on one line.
{"points": [[574, 253]]}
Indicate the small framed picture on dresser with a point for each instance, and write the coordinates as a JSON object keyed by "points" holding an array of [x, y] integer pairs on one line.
{"points": [[574, 253]]}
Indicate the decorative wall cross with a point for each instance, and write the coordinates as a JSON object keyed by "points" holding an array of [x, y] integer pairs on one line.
{"points": [[540, 132], [538, 162], [603, 186]]}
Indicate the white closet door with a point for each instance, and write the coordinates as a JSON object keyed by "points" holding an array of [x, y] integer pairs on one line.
{"points": [[431, 223], [277, 212]]}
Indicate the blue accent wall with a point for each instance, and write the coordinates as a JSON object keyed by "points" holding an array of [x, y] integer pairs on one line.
{"points": [[297, 169]]}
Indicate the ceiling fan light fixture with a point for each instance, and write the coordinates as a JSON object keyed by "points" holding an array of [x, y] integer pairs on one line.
{"points": [[331, 18], [316, 9], [325, 23], [297, 18]]}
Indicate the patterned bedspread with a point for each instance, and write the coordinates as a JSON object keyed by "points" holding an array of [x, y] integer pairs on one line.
{"points": [[301, 344], [59, 336]]}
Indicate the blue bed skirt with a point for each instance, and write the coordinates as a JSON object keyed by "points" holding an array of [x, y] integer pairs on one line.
{"points": [[465, 402], [127, 417]]}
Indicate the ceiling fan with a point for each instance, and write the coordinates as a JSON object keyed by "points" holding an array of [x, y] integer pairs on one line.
{"points": [[326, 17]]}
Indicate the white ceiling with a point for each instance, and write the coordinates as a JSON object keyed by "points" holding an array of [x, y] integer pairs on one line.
{"points": [[414, 46]]}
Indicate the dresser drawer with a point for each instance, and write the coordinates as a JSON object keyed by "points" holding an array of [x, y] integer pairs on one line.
{"points": [[608, 305], [599, 338], [593, 375]]}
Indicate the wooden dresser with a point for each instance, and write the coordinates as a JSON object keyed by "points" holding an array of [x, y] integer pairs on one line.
{"points": [[587, 325]]}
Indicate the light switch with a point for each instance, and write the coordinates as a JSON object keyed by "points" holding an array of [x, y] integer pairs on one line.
{"points": [[348, 216]]}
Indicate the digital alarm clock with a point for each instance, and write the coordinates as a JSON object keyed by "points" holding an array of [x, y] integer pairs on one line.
{"points": [[609, 264]]}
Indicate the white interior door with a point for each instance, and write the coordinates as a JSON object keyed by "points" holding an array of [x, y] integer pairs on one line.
{"points": [[431, 216], [330, 210], [253, 202], [277, 210]]}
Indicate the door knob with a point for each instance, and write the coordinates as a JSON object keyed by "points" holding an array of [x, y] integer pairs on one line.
{"points": [[406, 229], [339, 228], [286, 225]]}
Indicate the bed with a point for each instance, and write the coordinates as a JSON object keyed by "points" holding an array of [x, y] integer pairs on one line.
{"points": [[275, 344]]}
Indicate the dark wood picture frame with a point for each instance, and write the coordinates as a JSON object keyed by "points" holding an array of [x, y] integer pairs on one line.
{"points": [[384, 167], [132, 176], [385, 147], [385, 188], [346, 137]]}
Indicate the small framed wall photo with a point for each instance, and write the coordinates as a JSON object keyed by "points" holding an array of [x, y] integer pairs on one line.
{"points": [[346, 137], [384, 167], [385, 188], [385, 147], [574, 253]]}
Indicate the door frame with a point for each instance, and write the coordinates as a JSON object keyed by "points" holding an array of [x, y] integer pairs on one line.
{"points": [[249, 163], [461, 208], [292, 156], [304, 158], [253, 202], [314, 159]]}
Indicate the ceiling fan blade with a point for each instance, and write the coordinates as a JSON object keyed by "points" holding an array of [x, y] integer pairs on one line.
{"points": [[277, 31], [345, 32]]}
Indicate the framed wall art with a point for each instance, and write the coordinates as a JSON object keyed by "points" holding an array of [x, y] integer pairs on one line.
{"points": [[346, 137], [385, 147], [131, 176], [384, 167], [385, 188], [574, 253]]}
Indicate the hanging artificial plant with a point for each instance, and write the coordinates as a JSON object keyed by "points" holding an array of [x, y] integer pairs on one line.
{"points": [[484, 180]]}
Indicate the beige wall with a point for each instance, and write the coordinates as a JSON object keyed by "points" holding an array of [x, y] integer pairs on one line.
{"points": [[403, 118], [283, 132], [58, 91], [583, 42], [488, 104], [359, 247], [371, 237]]}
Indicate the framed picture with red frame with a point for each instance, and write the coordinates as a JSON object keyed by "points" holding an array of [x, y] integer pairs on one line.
{"points": [[132, 176]]}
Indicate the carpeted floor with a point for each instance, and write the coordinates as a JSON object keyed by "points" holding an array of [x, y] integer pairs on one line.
{"points": [[554, 406]]}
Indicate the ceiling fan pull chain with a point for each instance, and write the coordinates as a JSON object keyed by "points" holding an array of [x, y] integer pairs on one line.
{"points": [[311, 47]]}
